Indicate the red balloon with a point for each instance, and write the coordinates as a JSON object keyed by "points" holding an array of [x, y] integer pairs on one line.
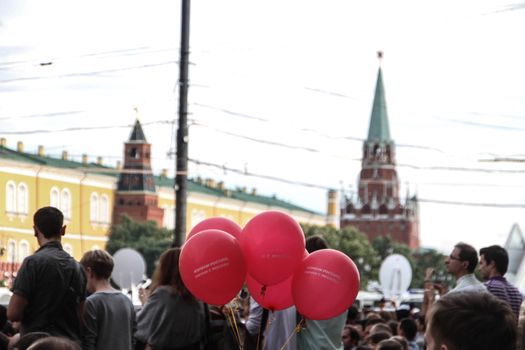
{"points": [[276, 297], [217, 223], [305, 254], [212, 266], [325, 285], [273, 246]]}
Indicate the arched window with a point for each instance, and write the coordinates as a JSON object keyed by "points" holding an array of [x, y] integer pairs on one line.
{"points": [[54, 198], [23, 250], [93, 207], [10, 197], [104, 209], [68, 248], [22, 198], [11, 251], [65, 203]]}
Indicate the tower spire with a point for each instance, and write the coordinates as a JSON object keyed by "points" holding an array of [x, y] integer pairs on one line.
{"points": [[137, 134], [379, 129]]}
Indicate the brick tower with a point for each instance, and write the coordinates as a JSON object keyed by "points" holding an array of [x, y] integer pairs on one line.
{"points": [[378, 210], [136, 195]]}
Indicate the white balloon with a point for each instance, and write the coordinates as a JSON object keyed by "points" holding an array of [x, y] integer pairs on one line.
{"points": [[129, 269]]}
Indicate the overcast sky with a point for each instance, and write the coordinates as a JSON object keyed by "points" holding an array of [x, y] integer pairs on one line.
{"points": [[284, 88]]}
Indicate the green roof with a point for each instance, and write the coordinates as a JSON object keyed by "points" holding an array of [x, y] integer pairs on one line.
{"points": [[161, 181], [379, 129]]}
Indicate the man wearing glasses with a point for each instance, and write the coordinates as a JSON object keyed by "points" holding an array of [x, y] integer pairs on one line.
{"points": [[461, 263]]}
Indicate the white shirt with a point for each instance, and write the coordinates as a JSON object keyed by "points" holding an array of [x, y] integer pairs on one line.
{"points": [[468, 283]]}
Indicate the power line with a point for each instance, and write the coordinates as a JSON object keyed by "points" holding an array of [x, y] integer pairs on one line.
{"points": [[484, 125], [92, 73], [331, 137], [82, 128], [273, 143], [309, 149], [266, 142], [323, 187], [449, 168], [327, 92], [503, 160], [268, 177], [472, 204], [466, 184], [273, 178], [42, 115], [120, 51]]}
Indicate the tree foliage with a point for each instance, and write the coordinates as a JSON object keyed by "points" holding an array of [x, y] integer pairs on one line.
{"points": [[369, 256], [425, 258], [145, 237], [354, 244]]}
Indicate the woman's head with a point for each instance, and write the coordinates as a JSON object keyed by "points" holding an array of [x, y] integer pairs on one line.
{"points": [[167, 273]]}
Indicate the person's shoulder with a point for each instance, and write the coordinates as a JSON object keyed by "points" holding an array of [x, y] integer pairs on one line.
{"points": [[123, 298], [163, 290], [113, 296]]}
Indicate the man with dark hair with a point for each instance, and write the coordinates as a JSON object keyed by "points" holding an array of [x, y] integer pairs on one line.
{"points": [[50, 286], [471, 321], [461, 263], [493, 264], [408, 328], [351, 338]]}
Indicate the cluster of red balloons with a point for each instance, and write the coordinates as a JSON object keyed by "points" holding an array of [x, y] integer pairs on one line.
{"points": [[269, 255]]}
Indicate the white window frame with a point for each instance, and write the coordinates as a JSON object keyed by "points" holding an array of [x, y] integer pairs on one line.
{"points": [[103, 208], [54, 197], [23, 250], [93, 207], [10, 197], [65, 203], [11, 251], [22, 199]]}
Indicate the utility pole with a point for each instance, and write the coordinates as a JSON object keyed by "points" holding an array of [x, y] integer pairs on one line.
{"points": [[181, 163]]}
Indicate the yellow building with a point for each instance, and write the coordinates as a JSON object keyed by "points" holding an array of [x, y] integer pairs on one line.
{"points": [[86, 191]]}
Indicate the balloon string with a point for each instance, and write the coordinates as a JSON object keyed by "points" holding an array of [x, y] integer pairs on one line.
{"points": [[236, 336], [261, 324], [233, 322], [262, 327], [230, 324], [235, 328], [297, 329], [263, 292]]}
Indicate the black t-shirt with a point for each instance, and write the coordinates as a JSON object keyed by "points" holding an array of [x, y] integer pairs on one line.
{"points": [[53, 284]]}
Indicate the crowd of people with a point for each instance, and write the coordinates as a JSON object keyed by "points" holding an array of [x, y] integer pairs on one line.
{"points": [[58, 303]]}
